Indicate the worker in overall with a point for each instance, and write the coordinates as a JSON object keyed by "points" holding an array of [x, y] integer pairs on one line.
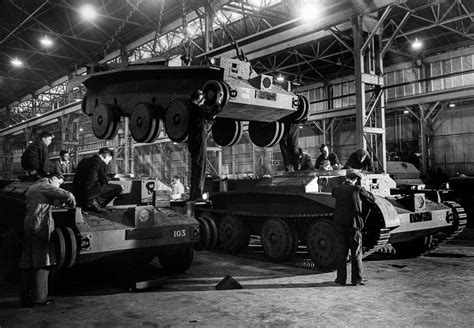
{"points": [[62, 164], [35, 158], [305, 163], [327, 160], [177, 188], [360, 160], [289, 147], [201, 118], [38, 226], [90, 185], [349, 222]]}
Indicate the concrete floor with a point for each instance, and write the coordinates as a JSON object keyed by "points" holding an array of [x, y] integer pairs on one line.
{"points": [[430, 291]]}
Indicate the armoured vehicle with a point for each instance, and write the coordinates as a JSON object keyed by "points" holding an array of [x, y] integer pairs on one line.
{"points": [[155, 92], [296, 208], [127, 229]]}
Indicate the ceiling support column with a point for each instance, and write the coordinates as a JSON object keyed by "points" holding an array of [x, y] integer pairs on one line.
{"points": [[370, 99]]}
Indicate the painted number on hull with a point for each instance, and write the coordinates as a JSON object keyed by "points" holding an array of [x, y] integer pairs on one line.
{"points": [[179, 233]]}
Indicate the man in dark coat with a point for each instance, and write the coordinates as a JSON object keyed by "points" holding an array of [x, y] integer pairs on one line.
{"points": [[35, 158], [90, 185], [201, 118], [349, 223], [327, 160], [305, 163], [289, 147], [360, 160], [38, 227]]}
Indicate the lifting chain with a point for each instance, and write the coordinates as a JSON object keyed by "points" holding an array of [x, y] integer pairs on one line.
{"points": [[187, 42], [120, 28], [158, 28], [240, 52]]}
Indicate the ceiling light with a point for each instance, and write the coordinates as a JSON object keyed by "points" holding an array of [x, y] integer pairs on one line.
{"points": [[46, 42], [38, 115], [16, 62], [81, 129], [452, 105], [280, 78], [88, 12], [416, 44], [310, 11], [406, 111]]}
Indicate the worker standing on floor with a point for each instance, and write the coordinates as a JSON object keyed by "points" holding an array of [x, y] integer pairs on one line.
{"points": [[289, 147], [201, 118], [38, 226], [349, 223]]}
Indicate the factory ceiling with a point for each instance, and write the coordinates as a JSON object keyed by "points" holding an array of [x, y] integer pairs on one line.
{"points": [[75, 42]]}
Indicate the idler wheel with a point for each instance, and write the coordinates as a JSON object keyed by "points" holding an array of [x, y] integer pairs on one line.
{"points": [[303, 109], [213, 228], [279, 239], [105, 122], [214, 93], [227, 132], [176, 260], [234, 234], [226, 97], [71, 247], [144, 123], [177, 120], [322, 244], [58, 248], [265, 134], [204, 235]]}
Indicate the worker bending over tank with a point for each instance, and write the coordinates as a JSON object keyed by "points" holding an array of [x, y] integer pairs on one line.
{"points": [[327, 160], [38, 226], [360, 160], [90, 185]]}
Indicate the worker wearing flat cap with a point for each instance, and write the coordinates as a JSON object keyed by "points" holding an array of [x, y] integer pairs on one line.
{"points": [[360, 160], [349, 223], [38, 225]]}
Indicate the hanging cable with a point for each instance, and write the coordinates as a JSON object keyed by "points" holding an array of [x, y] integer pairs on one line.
{"points": [[158, 29]]}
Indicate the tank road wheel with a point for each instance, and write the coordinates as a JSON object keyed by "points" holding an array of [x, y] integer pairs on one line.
{"points": [[234, 234], [144, 123], [204, 235], [213, 228], [226, 97], [227, 132], [302, 111], [177, 120], [279, 239], [214, 93], [177, 260], [71, 247], [322, 244], [265, 134], [105, 121], [58, 248]]}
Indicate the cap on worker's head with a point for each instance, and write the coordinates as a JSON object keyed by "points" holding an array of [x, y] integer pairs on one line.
{"points": [[322, 146], [353, 174], [46, 134]]}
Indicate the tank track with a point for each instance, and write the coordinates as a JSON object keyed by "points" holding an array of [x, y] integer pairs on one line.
{"points": [[301, 260], [440, 238]]}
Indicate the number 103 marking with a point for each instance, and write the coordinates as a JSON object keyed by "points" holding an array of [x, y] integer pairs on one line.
{"points": [[179, 233]]}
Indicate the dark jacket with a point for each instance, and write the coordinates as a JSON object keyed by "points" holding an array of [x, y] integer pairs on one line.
{"points": [[322, 162], [289, 146], [354, 161], [348, 210], [36, 157], [306, 163], [91, 172]]}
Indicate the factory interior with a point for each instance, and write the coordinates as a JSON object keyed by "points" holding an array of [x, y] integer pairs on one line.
{"points": [[238, 102]]}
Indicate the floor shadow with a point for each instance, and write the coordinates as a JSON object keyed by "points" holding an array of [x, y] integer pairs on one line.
{"points": [[451, 255]]}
